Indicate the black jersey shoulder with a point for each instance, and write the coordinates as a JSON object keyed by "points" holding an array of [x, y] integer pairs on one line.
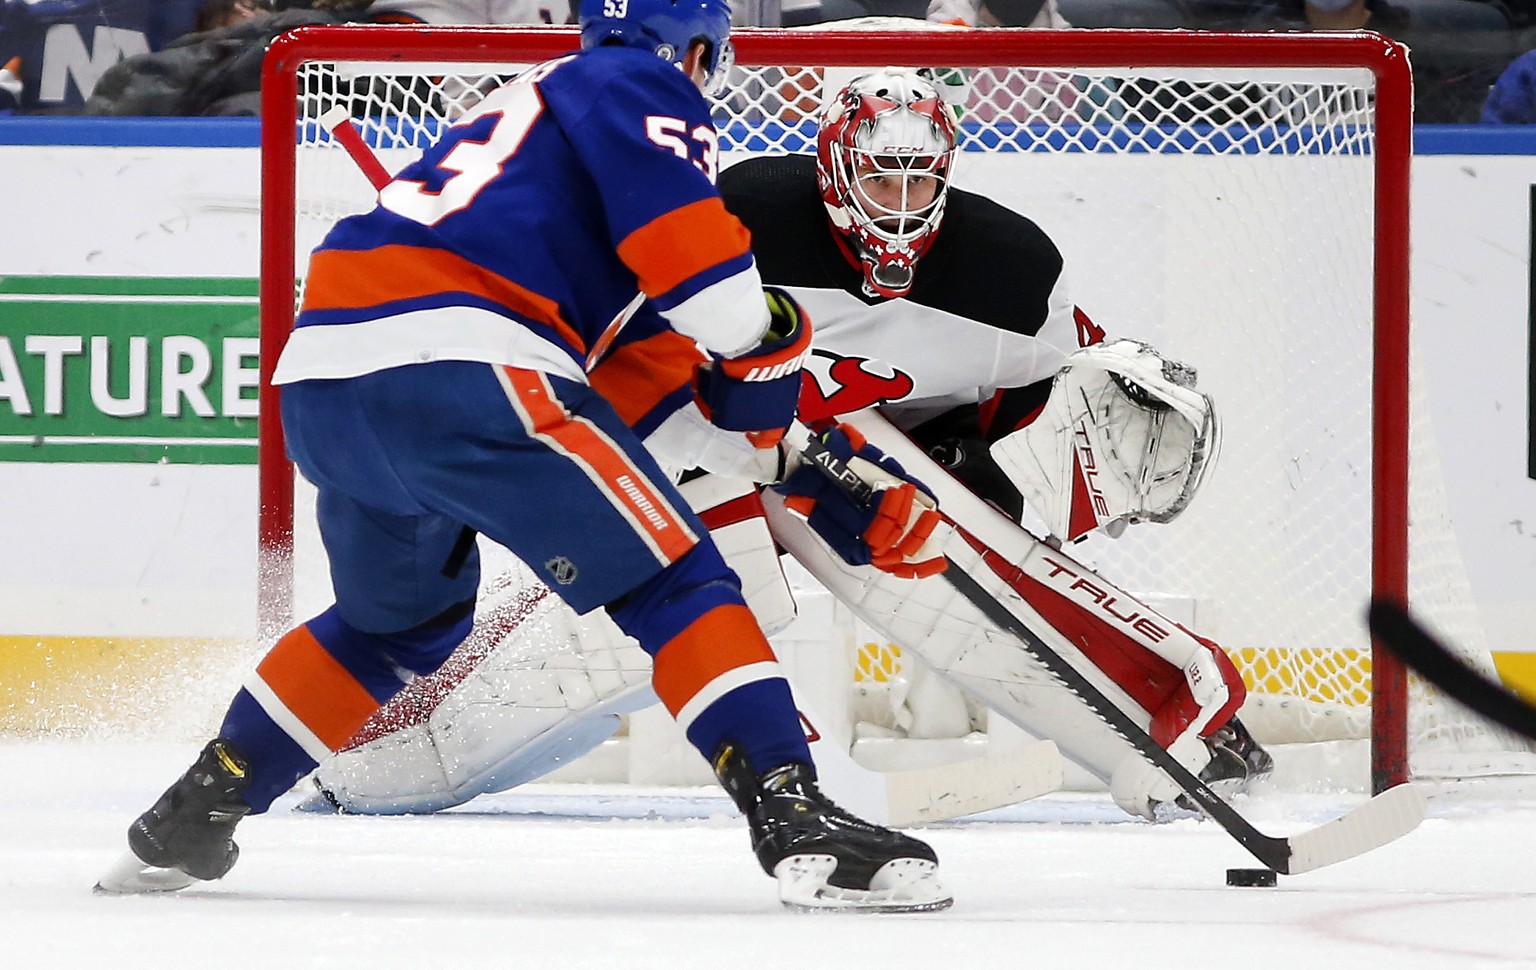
{"points": [[989, 263], [777, 199]]}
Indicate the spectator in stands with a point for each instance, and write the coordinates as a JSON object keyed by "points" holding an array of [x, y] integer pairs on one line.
{"points": [[55, 51], [218, 71], [472, 11], [226, 13], [971, 13], [1512, 101], [998, 13], [213, 72]]}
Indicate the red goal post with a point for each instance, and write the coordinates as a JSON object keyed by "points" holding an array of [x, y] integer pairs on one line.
{"points": [[1201, 55]]}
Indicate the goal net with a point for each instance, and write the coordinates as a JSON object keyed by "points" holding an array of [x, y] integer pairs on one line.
{"points": [[1239, 201]]}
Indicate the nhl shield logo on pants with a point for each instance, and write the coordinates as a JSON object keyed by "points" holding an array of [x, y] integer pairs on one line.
{"points": [[561, 570]]}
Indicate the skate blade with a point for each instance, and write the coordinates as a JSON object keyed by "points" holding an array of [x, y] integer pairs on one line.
{"points": [[130, 875], [899, 886]]}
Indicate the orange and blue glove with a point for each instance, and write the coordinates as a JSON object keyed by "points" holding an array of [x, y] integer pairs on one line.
{"points": [[894, 531], [756, 392]]}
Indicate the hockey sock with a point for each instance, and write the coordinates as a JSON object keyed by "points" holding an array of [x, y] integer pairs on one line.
{"points": [[712, 666], [318, 685]]}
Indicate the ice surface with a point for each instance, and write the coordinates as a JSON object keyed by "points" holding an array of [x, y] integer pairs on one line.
{"points": [[573, 876]]}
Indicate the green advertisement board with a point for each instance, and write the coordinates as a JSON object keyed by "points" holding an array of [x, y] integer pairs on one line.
{"points": [[128, 369]]}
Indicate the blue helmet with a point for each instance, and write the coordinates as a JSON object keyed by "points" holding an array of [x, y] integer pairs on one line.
{"points": [[665, 27]]}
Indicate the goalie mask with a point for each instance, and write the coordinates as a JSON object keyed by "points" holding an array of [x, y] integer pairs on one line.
{"points": [[883, 156]]}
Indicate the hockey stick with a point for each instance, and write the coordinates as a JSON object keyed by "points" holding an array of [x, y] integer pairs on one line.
{"points": [[1384, 818], [919, 795], [1436, 663], [337, 123]]}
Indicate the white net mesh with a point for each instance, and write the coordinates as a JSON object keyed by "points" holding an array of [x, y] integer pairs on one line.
{"points": [[1225, 216]]}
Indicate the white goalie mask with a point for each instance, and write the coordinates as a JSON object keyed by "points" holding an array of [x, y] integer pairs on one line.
{"points": [[883, 156]]}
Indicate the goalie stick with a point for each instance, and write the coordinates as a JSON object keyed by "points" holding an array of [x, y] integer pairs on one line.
{"points": [[1390, 623], [1383, 819]]}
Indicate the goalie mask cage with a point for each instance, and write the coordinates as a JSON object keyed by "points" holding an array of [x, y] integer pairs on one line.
{"points": [[1239, 201]]}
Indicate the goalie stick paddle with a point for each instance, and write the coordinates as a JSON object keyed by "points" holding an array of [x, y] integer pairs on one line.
{"points": [[1384, 818], [917, 796], [1435, 662]]}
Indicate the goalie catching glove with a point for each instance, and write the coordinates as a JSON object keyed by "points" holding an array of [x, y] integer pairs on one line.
{"points": [[1124, 438], [897, 531], [756, 392]]}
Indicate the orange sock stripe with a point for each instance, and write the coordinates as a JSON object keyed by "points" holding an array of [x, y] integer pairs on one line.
{"points": [[316, 688], [628, 488], [722, 640]]}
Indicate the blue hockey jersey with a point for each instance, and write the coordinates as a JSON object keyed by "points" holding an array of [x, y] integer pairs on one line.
{"points": [[61, 48], [571, 199]]}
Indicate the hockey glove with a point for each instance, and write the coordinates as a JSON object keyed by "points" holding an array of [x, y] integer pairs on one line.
{"points": [[894, 531], [756, 392]]}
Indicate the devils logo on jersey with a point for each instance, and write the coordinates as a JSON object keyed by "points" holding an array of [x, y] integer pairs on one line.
{"points": [[842, 385]]}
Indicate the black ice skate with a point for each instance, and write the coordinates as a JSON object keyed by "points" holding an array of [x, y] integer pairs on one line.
{"points": [[1237, 761], [187, 835], [823, 857]]}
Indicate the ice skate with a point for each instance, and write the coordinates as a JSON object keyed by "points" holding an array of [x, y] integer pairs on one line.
{"points": [[1237, 761], [186, 836], [824, 858]]}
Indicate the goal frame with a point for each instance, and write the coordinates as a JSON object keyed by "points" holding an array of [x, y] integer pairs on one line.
{"points": [[1391, 160]]}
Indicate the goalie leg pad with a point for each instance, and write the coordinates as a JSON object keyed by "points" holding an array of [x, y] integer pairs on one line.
{"points": [[533, 687], [732, 510], [1153, 661], [932, 623]]}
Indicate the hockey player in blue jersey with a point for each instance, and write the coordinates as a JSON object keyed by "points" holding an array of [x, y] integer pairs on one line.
{"points": [[435, 386]]}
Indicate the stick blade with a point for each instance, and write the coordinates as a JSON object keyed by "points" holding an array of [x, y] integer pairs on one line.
{"points": [[1385, 818], [991, 781]]}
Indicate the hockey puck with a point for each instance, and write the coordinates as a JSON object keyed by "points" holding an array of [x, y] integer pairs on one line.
{"points": [[1251, 877]]}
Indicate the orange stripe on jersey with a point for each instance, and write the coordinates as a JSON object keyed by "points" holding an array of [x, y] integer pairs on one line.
{"points": [[341, 279], [671, 248], [725, 638], [606, 463], [635, 377], [316, 688]]}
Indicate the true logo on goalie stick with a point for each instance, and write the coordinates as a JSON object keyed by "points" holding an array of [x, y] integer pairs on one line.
{"points": [[561, 570]]}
